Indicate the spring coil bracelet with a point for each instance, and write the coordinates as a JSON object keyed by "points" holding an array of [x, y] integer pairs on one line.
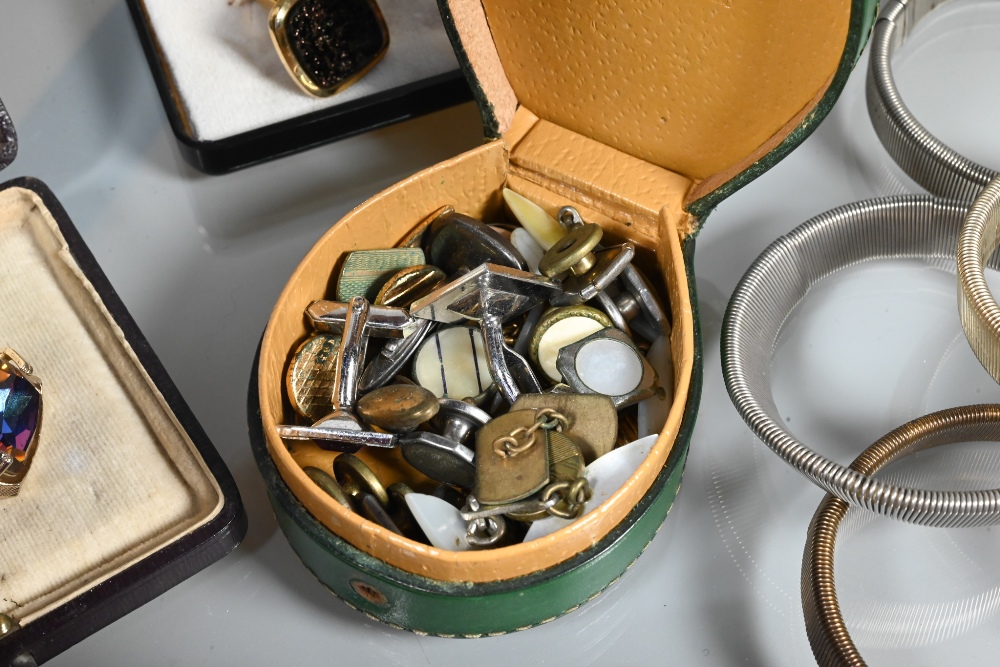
{"points": [[828, 635], [920, 154], [910, 227], [978, 309]]}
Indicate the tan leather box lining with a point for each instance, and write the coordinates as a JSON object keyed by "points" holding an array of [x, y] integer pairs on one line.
{"points": [[630, 192], [718, 85], [471, 183], [115, 477]]}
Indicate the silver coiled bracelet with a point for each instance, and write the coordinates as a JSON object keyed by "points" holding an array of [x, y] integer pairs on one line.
{"points": [[920, 154], [908, 227]]}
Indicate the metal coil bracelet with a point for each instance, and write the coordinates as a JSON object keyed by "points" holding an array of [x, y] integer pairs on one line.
{"points": [[978, 309], [909, 227], [927, 160], [828, 635]]}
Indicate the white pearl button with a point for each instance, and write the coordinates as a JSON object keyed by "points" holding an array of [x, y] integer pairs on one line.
{"points": [[609, 367]]}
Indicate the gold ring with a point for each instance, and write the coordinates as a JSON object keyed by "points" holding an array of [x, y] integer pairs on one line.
{"points": [[327, 45]]}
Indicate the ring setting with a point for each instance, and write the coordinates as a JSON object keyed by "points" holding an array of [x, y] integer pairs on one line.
{"points": [[20, 420]]}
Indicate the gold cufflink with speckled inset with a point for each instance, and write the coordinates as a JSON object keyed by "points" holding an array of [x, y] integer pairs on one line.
{"points": [[327, 45]]}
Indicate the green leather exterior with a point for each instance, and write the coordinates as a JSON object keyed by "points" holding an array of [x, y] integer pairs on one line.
{"points": [[455, 609]]}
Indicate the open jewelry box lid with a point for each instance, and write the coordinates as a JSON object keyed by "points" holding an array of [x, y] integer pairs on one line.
{"points": [[724, 92], [126, 496], [231, 104]]}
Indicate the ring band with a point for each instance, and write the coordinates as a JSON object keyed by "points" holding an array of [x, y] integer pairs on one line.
{"points": [[913, 226], [20, 420], [978, 309], [828, 635], [923, 157]]}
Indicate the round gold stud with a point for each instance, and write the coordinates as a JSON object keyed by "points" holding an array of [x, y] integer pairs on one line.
{"points": [[356, 477], [573, 252]]}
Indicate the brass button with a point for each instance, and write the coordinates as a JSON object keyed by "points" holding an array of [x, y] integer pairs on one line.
{"points": [[574, 252], [355, 477], [397, 408]]}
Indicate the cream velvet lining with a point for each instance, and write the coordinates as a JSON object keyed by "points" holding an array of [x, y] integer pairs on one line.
{"points": [[114, 477]]}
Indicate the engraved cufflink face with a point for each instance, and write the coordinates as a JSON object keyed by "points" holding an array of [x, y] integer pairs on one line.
{"points": [[312, 375], [506, 478], [593, 418], [327, 45]]}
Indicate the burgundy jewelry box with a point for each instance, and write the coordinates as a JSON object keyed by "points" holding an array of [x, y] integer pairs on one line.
{"points": [[126, 496]]}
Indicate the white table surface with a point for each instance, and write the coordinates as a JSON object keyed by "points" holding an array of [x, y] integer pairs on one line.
{"points": [[199, 261]]}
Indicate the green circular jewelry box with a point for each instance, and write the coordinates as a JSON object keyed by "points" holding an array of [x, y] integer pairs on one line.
{"points": [[643, 115]]}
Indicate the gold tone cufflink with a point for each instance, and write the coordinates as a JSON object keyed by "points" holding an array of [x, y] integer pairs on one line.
{"points": [[327, 45]]}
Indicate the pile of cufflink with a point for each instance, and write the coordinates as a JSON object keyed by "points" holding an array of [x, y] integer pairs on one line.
{"points": [[496, 380]]}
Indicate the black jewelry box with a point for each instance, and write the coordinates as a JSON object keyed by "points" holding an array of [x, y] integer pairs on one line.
{"points": [[406, 95], [87, 573]]}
